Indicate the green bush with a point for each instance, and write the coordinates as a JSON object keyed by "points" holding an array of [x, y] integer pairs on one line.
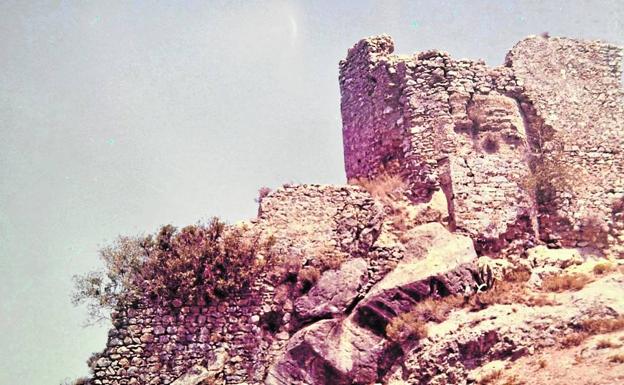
{"points": [[197, 264]]}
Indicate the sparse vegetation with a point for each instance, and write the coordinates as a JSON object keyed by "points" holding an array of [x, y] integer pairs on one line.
{"points": [[78, 381], [197, 263], [407, 326], [603, 325], [573, 339], [389, 189], [105, 289], [606, 344], [617, 358], [565, 282], [603, 268], [262, 193], [307, 278], [550, 174], [592, 327], [513, 380], [511, 289], [491, 377]]}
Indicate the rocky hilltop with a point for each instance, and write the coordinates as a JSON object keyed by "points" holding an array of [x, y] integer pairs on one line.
{"points": [[479, 241]]}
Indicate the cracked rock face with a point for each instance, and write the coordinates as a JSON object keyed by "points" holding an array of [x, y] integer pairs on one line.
{"points": [[334, 291], [352, 347], [468, 340]]}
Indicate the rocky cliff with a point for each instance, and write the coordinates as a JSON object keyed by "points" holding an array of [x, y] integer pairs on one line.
{"points": [[438, 264]]}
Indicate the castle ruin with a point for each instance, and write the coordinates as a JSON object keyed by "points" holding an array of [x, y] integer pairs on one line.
{"points": [[533, 148], [527, 151]]}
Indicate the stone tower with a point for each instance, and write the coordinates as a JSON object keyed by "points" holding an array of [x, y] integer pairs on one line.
{"points": [[530, 148]]}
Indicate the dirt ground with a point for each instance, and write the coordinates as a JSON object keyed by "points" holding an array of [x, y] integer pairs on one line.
{"points": [[594, 362]]}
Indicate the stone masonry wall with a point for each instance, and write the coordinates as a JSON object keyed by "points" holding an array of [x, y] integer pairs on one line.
{"points": [[575, 87], [445, 124], [237, 338], [478, 133]]}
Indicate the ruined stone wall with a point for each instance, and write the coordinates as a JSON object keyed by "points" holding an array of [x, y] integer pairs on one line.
{"points": [[448, 125], [575, 89], [237, 338]]}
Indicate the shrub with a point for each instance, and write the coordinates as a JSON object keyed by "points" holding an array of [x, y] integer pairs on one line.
{"points": [[198, 263], [202, 262], [606, 344], [262, 193], [491, 377], [307, 278], [384, 186], [603, 325], [328, 258], [603, 267], [407, 326], [565, 282], [617, 358], [510, 289], [549, 174], [592, 327], [78, 381], [573, 339], [103, 290]]}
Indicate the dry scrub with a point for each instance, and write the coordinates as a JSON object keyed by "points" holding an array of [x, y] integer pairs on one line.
{"points": [[603, 268], [617, 358], [565, 282], [592, 327]]}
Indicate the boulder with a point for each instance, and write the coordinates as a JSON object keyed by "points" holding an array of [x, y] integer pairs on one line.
{"points": [[542, 256], [334, 291]]}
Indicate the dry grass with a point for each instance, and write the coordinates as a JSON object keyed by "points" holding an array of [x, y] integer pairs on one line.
{"points": [[604, 267], [511, 289], [592, 327], [565, 282], [390, 190], [491, 377], [513, 380], [437, 310], [407, 326], [603, 325], [574, 339], [307, 277], [606, 344], [617, 358], [384, 186]]}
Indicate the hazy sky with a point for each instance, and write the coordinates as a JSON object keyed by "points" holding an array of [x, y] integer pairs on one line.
{"points": [[118, 117]]}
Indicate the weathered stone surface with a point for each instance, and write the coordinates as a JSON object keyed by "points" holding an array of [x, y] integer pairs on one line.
{"points": [[541, 256], [467, 340], [334, 292], [482, 135], [575, 88], [195, 376], [355, 350]]}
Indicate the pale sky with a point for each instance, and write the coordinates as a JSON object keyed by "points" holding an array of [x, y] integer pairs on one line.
{"points": [[119, 117]]}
